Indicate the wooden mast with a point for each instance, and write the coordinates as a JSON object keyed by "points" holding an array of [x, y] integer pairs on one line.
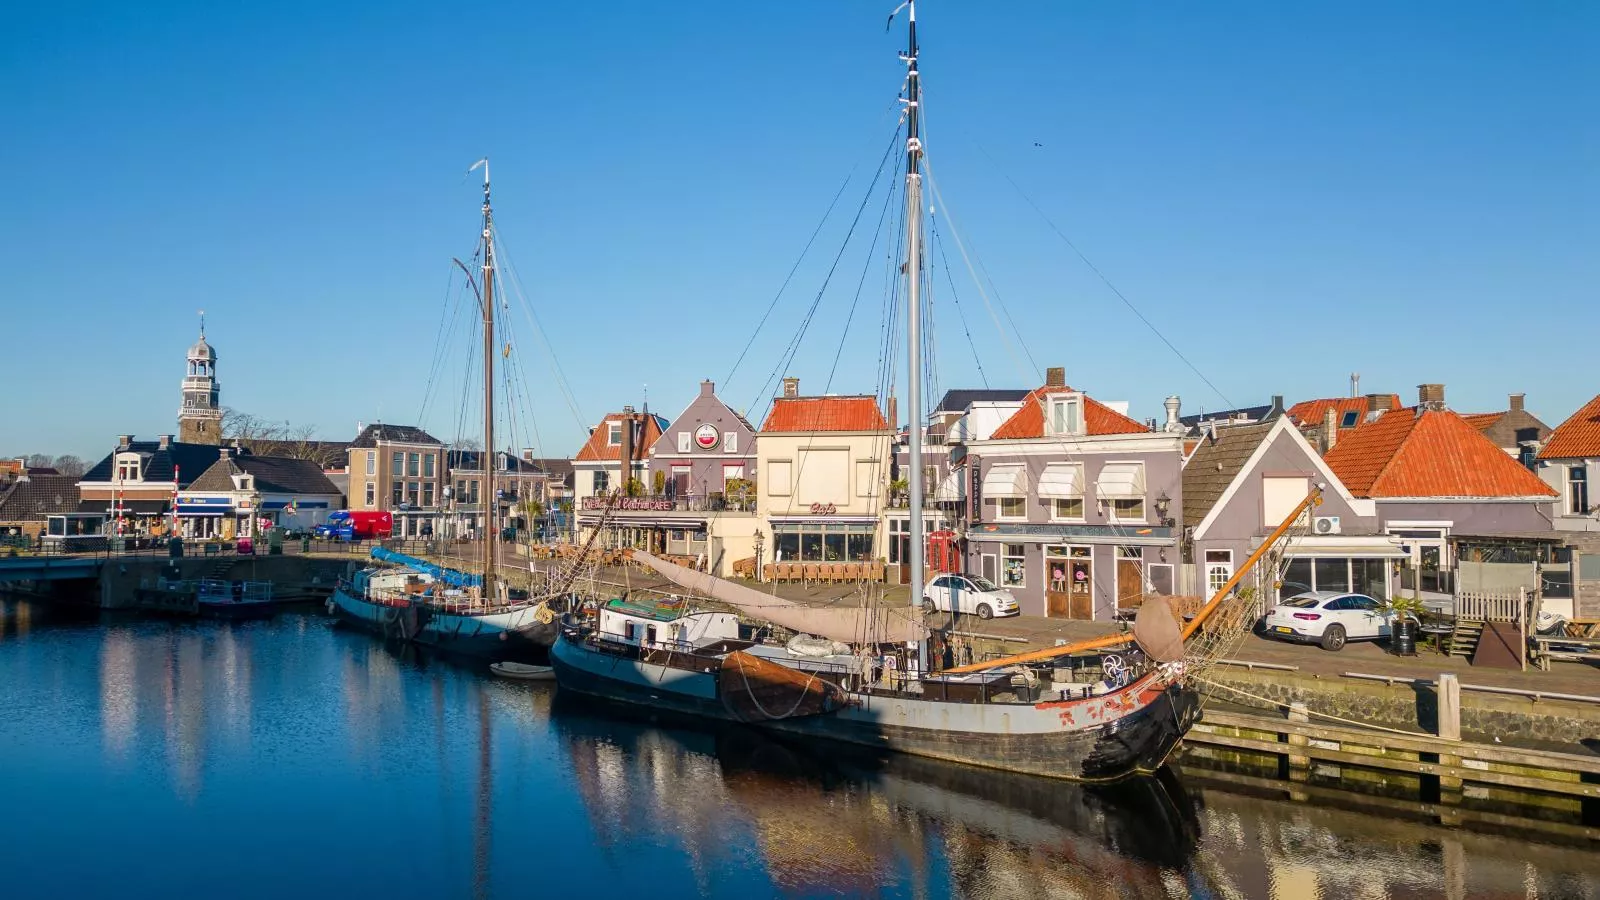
{"points": [[490, 500]]}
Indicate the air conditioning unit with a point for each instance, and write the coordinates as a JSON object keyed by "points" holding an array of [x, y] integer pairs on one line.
{"points": [[1325, 525]]}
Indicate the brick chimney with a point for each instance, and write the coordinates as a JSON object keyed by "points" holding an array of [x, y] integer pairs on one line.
{"points": [[1430, 397], [1330, 430], [165, 441], [124, 441], [1517, 401], [1379, 403], [1276, 410], [1055, 376], [707, 388]]}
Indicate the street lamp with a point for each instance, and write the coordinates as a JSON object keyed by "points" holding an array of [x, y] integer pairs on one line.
{"points": [[760, 540], [1163, 504]]}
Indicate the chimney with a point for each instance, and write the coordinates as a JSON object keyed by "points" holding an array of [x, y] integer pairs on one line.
{"points": [[1330, 430], [627, 410], [1275, 411], [1355, 384], [165, 441], [1430, 397], [1516, 402], [1379, 403], [1055, 376], [1174, 404], [894, 413], [791, 387], [707, 388], [124, 441]]}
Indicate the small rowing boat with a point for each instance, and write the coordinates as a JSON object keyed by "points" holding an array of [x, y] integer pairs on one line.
{"points": [[522, 671]]}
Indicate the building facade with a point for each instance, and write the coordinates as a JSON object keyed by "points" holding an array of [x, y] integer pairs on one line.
{"points": [[1568, 463], [402, 469], [243, 494], [1069, 505], [135, 485]]}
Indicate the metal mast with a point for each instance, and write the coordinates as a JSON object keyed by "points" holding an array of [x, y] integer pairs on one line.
{"points": [[490, 500], [914, 313]]}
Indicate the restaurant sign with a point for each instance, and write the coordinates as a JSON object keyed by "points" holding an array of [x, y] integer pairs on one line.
{"points": [[651, 504]]}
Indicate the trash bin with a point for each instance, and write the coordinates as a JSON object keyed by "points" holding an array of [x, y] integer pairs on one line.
{"points": [[305, 544], [175, 547], [275, 542]]}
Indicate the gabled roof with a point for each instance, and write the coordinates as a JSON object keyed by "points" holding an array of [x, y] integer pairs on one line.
{"points": [[273, 474], [1250, 413], [1099, 419], [472, 461], [191, 460], [648, 428], [959, 400], [37, 497], [1311, 412], [807, 414], [1433, 454], [1578, 436], [1214, 465], [555, 468], [403, 434]]}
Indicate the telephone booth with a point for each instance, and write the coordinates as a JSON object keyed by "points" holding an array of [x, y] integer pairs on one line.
{"points": [[943, 553]]}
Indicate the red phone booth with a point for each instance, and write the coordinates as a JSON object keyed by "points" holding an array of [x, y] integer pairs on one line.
{"points": [[944, 554]]}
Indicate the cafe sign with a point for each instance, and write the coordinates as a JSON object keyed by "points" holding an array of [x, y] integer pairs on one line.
{"points": [[706, 437], [823, 509], [648, 504]]}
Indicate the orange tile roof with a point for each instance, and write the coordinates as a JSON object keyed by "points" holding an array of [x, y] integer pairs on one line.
{"points": [[1028, 422], [1311, 412], [1482, 421], [599, 446], [805, 414], [1578, 436], [1436, 454]]}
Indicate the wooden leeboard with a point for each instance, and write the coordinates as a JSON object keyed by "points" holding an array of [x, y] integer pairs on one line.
{"points": [[755, 690]]}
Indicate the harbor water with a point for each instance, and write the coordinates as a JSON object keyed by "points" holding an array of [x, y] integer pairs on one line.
{"points": [[291, 758]]}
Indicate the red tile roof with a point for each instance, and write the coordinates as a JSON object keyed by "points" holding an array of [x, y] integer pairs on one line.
{"points": [[1436, 454], [599, 445], [1028, 422], [1482, 421], [1578, 436], [805, 414], [1311, 412]]}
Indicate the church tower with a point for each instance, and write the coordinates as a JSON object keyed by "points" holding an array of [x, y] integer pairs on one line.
{"points": [[200, 418]]}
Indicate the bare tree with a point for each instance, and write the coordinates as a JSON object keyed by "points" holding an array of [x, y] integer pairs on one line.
{"points": [[266, 437], [70, 465]]}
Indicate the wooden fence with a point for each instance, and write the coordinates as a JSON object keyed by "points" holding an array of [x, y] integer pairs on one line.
{"points": [[1482, 606]]}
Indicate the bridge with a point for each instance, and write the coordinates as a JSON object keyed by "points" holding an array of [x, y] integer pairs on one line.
{"points": [[49, 568]]}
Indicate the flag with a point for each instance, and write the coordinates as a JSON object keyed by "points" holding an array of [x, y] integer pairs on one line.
{"points": [[478, 165], [289, 508]]}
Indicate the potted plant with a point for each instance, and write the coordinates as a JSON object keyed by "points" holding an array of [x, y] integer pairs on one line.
{"points": [[1407, 613]]}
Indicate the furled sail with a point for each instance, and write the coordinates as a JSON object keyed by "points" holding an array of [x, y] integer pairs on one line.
{"points": [[851, 625]]}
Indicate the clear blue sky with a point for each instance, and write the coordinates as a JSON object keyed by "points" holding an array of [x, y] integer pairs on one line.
{"points": [[1290, 192]]}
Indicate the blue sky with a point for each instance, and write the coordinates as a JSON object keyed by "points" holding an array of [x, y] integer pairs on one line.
{"points": [[1290, 192]]}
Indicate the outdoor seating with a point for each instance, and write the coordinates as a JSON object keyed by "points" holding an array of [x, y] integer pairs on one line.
{"points": [[809, 573], [1560, 648]]}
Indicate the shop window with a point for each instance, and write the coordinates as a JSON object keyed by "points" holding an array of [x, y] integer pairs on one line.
{"points": [[1013, 565]]}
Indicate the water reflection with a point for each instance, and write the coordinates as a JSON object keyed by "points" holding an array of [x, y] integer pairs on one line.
{"points": [[307, 761]]}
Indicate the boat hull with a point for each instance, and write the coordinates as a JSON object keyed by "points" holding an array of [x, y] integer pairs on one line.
{"points": [[587, 671], [495, 636]]}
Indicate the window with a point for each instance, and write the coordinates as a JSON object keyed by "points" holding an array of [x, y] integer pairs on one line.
{"points": [[1011, 508], [683, 441], [1127, 510], [413, 493], [614, 433], [372, 495], [1219, 569], [461, 489], [1067, 508], [730, 442], [399, 496], [1350, 419], [777, 477], [397, 463], [128, 470], [1578, 490], [472, 491], [427, 465], [602, 485], [1332, 574], [372, 462], [413, 464], [1013, 565], [1066, 415], [679, 484], [824, 542], [427, 493], [731, 472]]}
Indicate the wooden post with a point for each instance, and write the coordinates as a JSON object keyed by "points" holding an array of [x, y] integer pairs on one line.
{"points": [[1299, 764], [1522, 623], [1449, 707]]}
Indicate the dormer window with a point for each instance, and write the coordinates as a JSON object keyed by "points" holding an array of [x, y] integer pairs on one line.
{"points": [[1064, 415], [128, 467], [1351, 418], [614, 434]]}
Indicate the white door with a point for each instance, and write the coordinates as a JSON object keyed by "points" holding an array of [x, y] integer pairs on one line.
{"points": [[963, 592], [1359, 616], [939, 593]]}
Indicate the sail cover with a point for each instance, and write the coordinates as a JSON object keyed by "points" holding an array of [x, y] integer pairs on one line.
{"points": [[851, 625]]}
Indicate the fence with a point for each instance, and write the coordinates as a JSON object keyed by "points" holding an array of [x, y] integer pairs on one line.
{"points": [[1479, 606]]}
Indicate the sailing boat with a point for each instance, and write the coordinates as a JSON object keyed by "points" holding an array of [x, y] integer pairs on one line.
{"points": [[421, 602], [863, 678]]}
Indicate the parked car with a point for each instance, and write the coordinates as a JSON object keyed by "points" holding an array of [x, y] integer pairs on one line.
{"points": [[968, 594], [245, 547], [1328, 618]]}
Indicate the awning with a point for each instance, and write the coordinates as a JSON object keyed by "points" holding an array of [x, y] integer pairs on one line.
{"points": [[1062, 481], [1121, 481], [1346, 546], [196, 510], [129, 507], [952, 487], [1006, 481]]}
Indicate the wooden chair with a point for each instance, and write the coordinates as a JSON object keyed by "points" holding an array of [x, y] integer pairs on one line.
{"points": [[769, 572], [810, 572]]}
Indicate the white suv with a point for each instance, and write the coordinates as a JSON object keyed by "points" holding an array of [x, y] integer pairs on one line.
{"points": [[968, 594]]}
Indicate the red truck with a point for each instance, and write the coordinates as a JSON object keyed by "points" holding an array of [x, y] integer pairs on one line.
{"points": [[356, 525]]}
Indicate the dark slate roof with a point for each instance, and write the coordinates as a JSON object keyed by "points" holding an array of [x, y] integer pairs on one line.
{"points": [[273, 474], [38, 496], [958, 400], [557, 468], [408, 434], [472, 461], [1254, 413], [1214, 465], [191, 460], [328, 454]]}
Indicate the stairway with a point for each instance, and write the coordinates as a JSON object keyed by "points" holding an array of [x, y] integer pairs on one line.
{"points": [[217, 570], [1464, 640]]}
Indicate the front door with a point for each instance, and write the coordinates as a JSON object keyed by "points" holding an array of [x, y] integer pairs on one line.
{"points": [[1219, 570], [1080, 587], [1130, 577], [989, 565]]}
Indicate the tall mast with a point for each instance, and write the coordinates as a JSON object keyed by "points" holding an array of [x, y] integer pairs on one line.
{"points": [[490, 501], [914, 314]]}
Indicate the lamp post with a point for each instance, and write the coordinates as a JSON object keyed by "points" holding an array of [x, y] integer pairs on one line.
{"points": [[760, 540], [1163, 505]]}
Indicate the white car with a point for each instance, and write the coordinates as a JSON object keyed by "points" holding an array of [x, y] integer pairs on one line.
{"points": [[1329, 618], [968, 594]]}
